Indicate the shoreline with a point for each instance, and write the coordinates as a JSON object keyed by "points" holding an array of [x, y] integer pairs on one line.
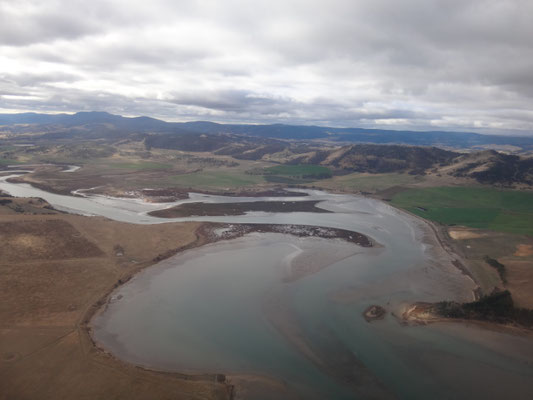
{"points": [[420, 313], [84, 328], [446, 245], [205, 234]]}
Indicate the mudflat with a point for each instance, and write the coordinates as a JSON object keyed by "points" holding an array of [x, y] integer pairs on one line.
{"points": [[212, 209]]}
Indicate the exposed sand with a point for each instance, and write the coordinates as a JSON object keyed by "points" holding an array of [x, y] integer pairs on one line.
{"points": [[463, 233], [309, 260], [524, 250]]}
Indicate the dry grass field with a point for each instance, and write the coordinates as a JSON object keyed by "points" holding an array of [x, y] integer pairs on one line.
{"points": [[514, 251], [54, 268]]}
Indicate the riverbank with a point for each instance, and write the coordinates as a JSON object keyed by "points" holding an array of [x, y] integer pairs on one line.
{"points": [[494, 310], [445, 243], [207, 233], [56, 268], [221, 270], [422, 314]]}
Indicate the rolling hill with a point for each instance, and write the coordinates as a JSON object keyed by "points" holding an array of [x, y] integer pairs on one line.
{"points": [[379, 151], [102, 124]]}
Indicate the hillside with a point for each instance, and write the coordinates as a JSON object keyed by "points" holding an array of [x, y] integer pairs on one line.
{"points": [[492, 167], [102, 124], [379, 158], [96, 135]]}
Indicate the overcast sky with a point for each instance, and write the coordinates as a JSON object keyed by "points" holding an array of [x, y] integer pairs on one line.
{"points": [[420, 64]]}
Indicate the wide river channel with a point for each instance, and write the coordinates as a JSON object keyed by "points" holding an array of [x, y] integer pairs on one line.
{"points": [[282, 315]]}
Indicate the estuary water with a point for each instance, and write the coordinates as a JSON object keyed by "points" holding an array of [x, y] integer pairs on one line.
{"points": [[282, 316]]}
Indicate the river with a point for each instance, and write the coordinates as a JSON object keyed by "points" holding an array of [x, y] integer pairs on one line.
{"points": [[228, 307]]}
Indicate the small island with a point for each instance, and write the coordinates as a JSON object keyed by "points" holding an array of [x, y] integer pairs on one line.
{"points": [[374, 313], [214, 209]]}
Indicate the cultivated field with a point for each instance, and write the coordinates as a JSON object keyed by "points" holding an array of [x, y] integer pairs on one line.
{"points": [[363, 182], [484, 208]]}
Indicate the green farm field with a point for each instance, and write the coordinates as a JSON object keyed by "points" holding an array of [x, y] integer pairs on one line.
{"points": [[140, 165], [299, 170], [483, 208], [222, 179], [296, 174], [367, 182]]}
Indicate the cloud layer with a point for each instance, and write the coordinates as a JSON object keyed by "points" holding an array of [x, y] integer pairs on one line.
{"points": [[419, 64]]}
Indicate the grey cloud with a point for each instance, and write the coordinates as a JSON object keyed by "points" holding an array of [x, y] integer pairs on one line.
{"points": [[38, 25], [232, 100], [369, 62], [32, 79]]}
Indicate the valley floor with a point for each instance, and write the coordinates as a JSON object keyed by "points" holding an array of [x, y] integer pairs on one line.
{"points": [[55, 267]]}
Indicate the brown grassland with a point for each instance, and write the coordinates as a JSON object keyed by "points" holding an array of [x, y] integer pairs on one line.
{"points": [[54, 269]]}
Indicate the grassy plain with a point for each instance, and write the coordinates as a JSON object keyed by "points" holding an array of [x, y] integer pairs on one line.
{"points": [[484, 208], [294, 174], [299, 170], [127, 166], [217, 179], [482, 222], [362, 182], [140, 165], [7, 161]]}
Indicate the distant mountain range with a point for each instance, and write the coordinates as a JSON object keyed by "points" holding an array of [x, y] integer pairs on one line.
{"points": [[102, 124]]}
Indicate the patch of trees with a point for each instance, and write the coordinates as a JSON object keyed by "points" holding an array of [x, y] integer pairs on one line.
{"points": [[496, 307], [392, 158], [498, 266], [507, 169]]}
